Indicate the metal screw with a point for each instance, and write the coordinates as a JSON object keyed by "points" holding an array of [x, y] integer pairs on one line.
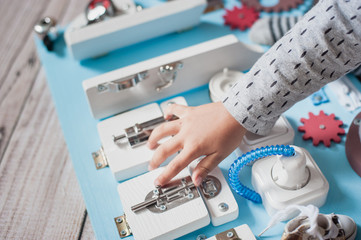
{"points": [[201, 237], [99, 164], [123, 232], [156, 191], [223, 207], [101, 88], [211, 194], [125, 7], [230, 234], [162, 207], [190, 196], [119, 220], [180, 65], [317, 97]]}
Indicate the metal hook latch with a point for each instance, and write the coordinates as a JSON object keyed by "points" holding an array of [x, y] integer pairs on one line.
{"points": [[167, 74], [122, 84]]}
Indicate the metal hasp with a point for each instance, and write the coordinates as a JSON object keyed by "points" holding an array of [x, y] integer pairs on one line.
{"points": [[122, 226], [140, 132], [230, 234], [167, 74], [122, 84], [100, 159]]}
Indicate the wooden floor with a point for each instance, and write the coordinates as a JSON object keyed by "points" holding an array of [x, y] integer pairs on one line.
{"points": [[39, 194]]}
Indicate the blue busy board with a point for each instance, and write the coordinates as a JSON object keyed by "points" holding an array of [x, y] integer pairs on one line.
{"points": [[99, 188]]}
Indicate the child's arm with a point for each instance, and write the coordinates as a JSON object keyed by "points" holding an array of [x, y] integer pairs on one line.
{"points": [[320, 48]]}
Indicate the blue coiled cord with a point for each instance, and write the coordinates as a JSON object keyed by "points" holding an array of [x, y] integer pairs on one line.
{"points": [[248, 158]]}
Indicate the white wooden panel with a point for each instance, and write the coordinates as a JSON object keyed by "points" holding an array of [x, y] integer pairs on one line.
{"points": [[92, 40], [170, 224], [200, 63], [243, 232], [124, 161]]}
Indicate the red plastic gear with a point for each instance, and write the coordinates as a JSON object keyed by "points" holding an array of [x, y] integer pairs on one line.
{"points": [[322, 128], [241, 18], [283, 5]]}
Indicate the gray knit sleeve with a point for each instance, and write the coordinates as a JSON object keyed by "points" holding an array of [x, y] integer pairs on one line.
{"points": [[322, 47]]}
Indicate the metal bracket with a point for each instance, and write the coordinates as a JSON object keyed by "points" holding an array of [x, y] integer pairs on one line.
{"points": [[170, 196], [100, 159], [122, 84], [122, 226], [167, 74], [230, 234]]}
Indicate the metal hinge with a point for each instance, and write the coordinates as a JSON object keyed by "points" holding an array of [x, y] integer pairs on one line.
{"points": [[122, 84], [230, 234], [100, 159], [122, 226]]}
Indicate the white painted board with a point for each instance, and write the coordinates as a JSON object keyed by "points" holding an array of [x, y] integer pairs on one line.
{"points": [[200, 63], [170, 224], [85, 41]]}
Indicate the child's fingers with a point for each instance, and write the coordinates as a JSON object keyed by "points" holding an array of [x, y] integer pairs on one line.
{"points": [[164, 151], [175, 166], [163, 130], [175, 109], [204, 167]]}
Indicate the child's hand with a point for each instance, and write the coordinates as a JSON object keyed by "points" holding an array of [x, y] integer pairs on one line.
{"points": [[208, 130]]}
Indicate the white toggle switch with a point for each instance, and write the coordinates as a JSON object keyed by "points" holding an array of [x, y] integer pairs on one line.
{"points": [[284, 181], [291, 173]]}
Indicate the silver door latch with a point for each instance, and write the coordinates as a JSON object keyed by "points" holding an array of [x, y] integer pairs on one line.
{"points": [[140, 132], [176, 193]]}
